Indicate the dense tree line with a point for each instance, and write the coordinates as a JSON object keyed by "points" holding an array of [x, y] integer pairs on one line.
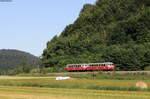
{"points": [[110, 30], [12, 59]]}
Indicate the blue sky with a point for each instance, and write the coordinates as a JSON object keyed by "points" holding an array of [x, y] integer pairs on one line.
{"points": [[27, 25]]}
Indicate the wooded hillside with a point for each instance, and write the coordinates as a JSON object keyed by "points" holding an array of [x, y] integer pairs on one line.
{"points": [[117, 31], [10, 59]]}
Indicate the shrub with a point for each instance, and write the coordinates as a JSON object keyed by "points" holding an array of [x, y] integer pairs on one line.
{"points": [[147, 68], [35, 71]]}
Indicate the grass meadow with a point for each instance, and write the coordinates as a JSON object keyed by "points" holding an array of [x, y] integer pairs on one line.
{"points": [[73, 83], [78, 87], [12, 92]]}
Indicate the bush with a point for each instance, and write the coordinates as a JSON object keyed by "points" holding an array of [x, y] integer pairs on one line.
{"points": [[147, 68], [51, 69], [35, 70]]}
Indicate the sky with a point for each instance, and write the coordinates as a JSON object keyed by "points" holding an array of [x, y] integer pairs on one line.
{"points": [[27, 25]]}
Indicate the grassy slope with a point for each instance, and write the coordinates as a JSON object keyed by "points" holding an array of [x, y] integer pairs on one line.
{"points": [[8, 92]]}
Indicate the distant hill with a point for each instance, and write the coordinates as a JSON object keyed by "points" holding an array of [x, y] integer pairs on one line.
{"points": [[115, 31], [9, 59]]}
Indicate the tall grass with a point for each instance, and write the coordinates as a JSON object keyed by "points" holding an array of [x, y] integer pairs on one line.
{"points": [[99, 81], [97, 75], [68, 84], [113, 76]]}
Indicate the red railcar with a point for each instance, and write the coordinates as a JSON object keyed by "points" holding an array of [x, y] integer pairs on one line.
{"points": [[90, 66]]}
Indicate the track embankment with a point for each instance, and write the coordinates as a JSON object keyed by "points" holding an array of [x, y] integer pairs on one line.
{"points": [[119, 72]]}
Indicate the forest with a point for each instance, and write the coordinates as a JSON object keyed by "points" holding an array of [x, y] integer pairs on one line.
{"points": [[15, 61], [115, 31]]}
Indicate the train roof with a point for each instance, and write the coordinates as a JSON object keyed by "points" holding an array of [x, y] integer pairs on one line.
{"points": [[91, 63]]}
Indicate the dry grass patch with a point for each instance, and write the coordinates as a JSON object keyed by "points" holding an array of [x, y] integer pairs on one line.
{"points": [[8, 92]]}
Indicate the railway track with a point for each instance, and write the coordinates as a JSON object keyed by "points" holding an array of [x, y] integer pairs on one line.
{"points": [[119, 72]]}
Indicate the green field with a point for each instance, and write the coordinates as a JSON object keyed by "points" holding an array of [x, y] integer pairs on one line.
{"points": [[76, 83], [13, 87], [9, 92]]}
